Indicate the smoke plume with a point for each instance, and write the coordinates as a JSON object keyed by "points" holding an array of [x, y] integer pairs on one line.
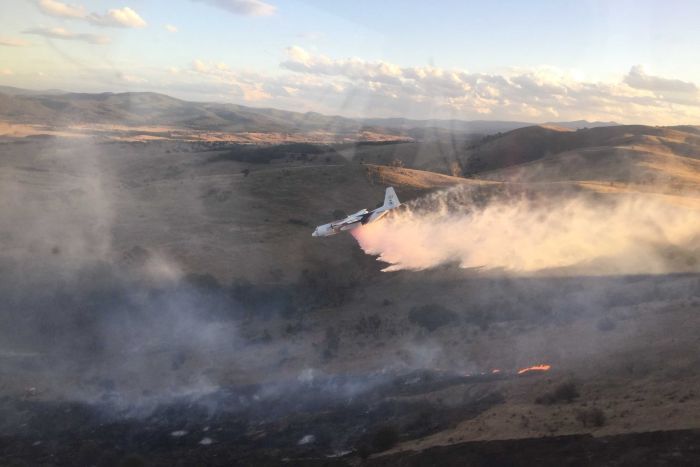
{"points": [[82, 319]]}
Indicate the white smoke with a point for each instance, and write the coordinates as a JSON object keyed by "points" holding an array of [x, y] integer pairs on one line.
{"points": [[85, 311], [620, 235]]}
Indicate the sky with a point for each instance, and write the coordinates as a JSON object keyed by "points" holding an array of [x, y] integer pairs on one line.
{"points": [[625, 61]]}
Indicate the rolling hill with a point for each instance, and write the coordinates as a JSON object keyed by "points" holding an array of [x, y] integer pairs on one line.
{"points": [[58, 109], [667, 158]]}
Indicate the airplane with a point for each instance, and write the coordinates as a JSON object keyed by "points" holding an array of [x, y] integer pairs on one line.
{"points": [[361, 217]]}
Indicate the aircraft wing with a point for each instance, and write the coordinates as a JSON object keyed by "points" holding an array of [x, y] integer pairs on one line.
{"points": [[351, 219], [347, 221]]}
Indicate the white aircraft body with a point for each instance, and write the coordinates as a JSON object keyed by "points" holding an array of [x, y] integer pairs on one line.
{"points": [[362, 217]]}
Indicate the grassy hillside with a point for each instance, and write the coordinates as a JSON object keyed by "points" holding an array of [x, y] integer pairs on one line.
{"points": [[438, 155], [630, 154], [212, 212], [217, 210]]}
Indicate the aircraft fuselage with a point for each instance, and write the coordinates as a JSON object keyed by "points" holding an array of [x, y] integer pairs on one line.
{"points": [[361, 217]]}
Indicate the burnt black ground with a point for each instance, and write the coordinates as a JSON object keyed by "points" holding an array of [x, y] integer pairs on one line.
{"points": [[243, 425], [660, 448]]}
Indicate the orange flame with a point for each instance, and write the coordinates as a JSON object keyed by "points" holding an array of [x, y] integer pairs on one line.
{"points": [[534, 368]]}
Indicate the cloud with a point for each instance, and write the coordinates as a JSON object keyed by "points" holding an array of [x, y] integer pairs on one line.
{"points": [[199, 66], [171, 28], [638, 78], [62, 10], [243, 7], [353, 87], [13, 42], [354, 68], [117, 17], [535, 94], [248, 86], [61, 33], [132, 79], [6, 72]]}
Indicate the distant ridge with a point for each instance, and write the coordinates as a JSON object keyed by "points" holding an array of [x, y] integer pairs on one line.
{"points": [[54, 107], [580, 124], [13, 91]]}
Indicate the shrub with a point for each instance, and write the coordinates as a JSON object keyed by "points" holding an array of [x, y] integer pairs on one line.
{"points": [[293, 329], [432, 317], [326, 286], [385, 438], [266, 154], [593, 417], [368, 325], [480, 317], [295, 221], [339, 214], [565, 392]]}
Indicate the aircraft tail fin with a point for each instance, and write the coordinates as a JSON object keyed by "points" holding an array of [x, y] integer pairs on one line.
{"points": [[390, 199]]}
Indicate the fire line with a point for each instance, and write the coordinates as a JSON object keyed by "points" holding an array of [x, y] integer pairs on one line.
{"points": [[542, 367]]}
